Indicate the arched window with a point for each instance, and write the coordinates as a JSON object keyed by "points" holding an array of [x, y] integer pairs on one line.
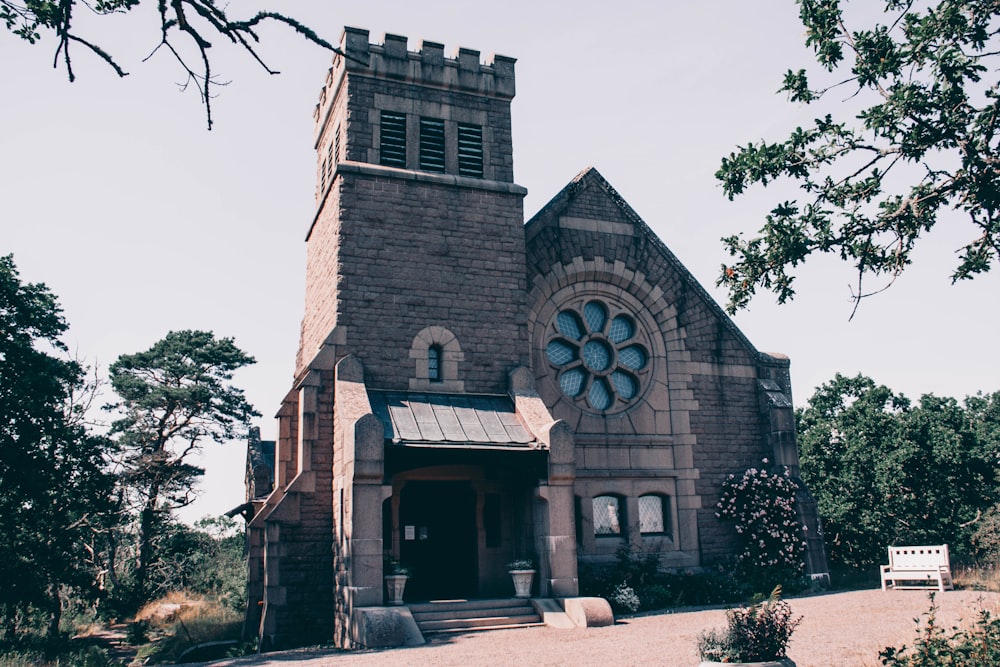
{"points": [[654, 514], [608, 516], [434, 363], [436, 358]]}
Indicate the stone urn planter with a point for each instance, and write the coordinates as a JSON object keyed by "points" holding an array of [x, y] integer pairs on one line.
{"points": [[396, 575], [522, 573], [394, 586], [522, 582]]}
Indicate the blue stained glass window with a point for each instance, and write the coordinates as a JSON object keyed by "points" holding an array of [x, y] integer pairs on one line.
{"points": [[605, 340], [596, 355], [625, 384], [595, 316], [621, 329], [599, 396], [572, 381], [633, 357], [560, 353], [569, 326]]}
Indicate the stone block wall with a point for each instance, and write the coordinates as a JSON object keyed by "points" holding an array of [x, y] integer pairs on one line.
{"points": [[697, 419]]}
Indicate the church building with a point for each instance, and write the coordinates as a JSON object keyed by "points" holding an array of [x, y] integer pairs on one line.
{"points": [[472, 389]]}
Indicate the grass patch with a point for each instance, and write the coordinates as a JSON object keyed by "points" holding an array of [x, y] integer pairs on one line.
{"points": [[978, 578], [177, 625]]}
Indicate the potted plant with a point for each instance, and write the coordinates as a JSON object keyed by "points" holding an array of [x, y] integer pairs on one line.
{"points": [[756, 635], [522, 572], [396, 575]]}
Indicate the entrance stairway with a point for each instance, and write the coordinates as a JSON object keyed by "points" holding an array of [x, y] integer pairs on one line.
{"points": [[473, 615]]}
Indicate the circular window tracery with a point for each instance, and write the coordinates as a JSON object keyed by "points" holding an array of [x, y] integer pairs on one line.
{"points": [[598, 357]]}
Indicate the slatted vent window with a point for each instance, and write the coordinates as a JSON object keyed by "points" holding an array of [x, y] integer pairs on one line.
{"points": [[392, 142], [432, 144], [336, 144], [470, 150]]}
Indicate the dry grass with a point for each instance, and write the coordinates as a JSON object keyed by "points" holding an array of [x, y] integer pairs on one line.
{"points": [[978, 578], [178, 622]]}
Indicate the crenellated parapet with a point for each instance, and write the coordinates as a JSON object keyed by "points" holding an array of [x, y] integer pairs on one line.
{"points": [[428, 66]]}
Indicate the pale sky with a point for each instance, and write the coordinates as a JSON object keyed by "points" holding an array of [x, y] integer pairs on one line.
{"points": [[114, 194]]}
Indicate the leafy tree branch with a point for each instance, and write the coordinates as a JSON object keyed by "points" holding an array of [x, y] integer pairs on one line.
{"points": [[928, 141]]}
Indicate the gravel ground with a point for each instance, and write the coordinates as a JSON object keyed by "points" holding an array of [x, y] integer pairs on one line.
{"points": [[838, 629]]}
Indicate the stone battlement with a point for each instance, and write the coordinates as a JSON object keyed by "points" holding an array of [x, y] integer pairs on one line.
{"points": [[427, 67]]}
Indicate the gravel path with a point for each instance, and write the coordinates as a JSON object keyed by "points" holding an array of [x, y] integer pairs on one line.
{"points": [[838, 629]]}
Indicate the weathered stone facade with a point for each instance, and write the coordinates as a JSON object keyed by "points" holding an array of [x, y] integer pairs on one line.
{"points": [[471, 389]]}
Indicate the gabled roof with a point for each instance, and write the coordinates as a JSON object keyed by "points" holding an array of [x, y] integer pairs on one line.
{"points": [[610, 213], [450, 420]]}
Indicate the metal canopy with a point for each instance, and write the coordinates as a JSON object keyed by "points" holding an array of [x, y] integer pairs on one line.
{"points": [[450, 420]]}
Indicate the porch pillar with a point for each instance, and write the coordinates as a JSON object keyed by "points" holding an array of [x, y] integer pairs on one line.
{"points": [[557, 548]]}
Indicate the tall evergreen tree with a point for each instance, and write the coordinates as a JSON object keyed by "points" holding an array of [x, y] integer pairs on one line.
{"points": [[172, 398]]}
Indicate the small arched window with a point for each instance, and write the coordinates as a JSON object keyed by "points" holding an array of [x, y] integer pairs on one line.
{"points": [[434, 363], [608, 519]]}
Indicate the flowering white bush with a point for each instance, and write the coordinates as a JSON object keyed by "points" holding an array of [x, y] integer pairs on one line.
{"points": [[761, 503]]}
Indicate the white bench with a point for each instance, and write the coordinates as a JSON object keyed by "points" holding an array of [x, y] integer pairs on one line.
{"points": [[918, 567]]}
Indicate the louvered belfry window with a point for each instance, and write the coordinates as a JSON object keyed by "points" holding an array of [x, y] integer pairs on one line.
{"points": [[392, 141], [470, 150], [432, 144]]}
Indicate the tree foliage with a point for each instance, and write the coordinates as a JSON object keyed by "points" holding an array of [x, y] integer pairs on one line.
{"points": [[54, 485], [885, 471], [172, 398], [927, 142], [186, 31]]}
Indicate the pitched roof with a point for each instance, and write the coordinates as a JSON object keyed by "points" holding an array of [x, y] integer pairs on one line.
{"points": [[450, 420], [617, 211]]}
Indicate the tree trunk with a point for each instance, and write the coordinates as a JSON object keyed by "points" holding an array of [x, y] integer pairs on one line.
{"points": [[147, 521], [54, 612]]}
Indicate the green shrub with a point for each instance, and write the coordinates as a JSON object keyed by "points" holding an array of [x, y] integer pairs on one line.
{"points": [[655, 587], [757, 633], [73, 656], [624, 599], [978, 646], [986, 538]]}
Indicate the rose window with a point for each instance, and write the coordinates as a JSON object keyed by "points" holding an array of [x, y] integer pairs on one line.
{"points": [[597, 354]]}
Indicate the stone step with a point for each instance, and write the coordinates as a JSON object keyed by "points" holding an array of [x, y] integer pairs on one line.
{"points": [[456, 605], [441, 616], [512, 626], [479, 612], [478, 623], [421, 617]]}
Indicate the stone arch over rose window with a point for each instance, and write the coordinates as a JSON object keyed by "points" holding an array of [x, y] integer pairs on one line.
{"points": [[598, 354]]}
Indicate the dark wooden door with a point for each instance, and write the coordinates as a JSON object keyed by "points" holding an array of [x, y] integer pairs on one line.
{"points": [[439, 540]]}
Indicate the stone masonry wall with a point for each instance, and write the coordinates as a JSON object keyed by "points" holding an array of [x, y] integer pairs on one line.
{"points": [[413, 257], [707, 421]]}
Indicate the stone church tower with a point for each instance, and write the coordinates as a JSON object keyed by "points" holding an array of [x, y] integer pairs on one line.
{"points": [[470, 390]]}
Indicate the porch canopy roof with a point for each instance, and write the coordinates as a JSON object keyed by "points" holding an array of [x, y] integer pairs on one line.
{"points": [[466, 421]]}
